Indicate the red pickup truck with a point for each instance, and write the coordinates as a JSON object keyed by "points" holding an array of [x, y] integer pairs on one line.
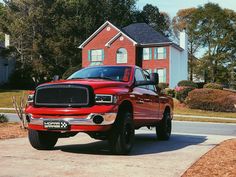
{"points": [[106, 102]]}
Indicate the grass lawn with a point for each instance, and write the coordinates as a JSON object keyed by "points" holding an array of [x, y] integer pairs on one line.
{"points": [[6, 97]]}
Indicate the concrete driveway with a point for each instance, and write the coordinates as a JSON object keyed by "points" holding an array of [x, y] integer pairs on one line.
{"points": [[83, 156]]}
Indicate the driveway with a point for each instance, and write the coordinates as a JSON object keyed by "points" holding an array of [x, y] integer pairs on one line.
{"points": [[83, 156]]}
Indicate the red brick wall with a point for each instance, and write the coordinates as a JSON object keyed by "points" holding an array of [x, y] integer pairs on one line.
{"points": [[98, 42], [111, 52], [156, 64]]}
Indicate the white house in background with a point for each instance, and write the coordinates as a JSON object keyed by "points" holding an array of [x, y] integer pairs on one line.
{"points": [[179, 61], [6, 64]]}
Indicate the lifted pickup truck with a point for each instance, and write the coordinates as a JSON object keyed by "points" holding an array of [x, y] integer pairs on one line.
{"points": [[106, 102]]}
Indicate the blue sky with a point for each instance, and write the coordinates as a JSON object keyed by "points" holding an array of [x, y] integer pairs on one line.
{"points": [[172, 6]]}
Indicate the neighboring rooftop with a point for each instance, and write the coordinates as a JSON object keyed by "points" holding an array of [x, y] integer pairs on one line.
{"points": [[142, 33]]}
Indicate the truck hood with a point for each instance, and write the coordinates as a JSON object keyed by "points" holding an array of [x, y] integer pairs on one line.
{"points": [[94, 83]]}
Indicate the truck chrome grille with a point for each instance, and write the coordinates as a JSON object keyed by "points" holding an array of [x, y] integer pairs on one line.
{"points": [[64, 95]]}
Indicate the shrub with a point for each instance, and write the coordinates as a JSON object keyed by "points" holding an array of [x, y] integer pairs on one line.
{"points": [[200, 84], [3, 118], [213, 86], [187, 83], [163, 85], [182, 93], [212, 99], [170, 92]]}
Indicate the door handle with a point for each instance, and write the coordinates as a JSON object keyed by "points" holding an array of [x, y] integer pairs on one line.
{"points": [[140, 102]]}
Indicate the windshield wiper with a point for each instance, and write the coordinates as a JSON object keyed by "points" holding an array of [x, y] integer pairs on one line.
{"points": [[98, 77], [76, 78]]}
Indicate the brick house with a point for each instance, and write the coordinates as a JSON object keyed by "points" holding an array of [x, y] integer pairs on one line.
{"points": [[137, 44]]}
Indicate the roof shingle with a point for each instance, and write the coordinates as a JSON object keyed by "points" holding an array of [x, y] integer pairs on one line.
{"points": [[142, 33]]}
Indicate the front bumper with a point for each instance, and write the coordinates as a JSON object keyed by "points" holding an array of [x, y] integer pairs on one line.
{"points": [[86, 123]]}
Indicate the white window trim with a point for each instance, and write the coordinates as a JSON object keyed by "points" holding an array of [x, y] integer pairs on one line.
{"points": [[122, 62], [149, 53], [97, 60]]}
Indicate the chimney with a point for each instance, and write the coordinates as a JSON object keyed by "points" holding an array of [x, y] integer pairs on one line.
{"points": [[183, 40], [7, 40]]}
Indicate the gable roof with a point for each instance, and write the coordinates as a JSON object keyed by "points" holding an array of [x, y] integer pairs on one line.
{"points": [[145, 34], [108, 44], [100, 29], [139, 33]]}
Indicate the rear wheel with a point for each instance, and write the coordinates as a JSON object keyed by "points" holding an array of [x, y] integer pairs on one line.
{"points": [[42, 140], [163, 128], [121, 138]]}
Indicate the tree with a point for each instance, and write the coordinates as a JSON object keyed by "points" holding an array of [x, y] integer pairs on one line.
{"points": [[218, 35], [46, 33], [184, 20], [159, 21]]}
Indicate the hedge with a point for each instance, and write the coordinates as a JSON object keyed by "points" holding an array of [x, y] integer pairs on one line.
{"points": [[213, 86], [212, 99], [181, 93], [187, 83]]}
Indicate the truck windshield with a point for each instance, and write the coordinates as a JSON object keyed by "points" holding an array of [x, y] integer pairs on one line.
{"points": [[115, 73]]}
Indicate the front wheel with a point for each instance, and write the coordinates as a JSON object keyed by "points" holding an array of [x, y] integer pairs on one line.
{"points": [[163, 128], [42, 140], [121, 138]]}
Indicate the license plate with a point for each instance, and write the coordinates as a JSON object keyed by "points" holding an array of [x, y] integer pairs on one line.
{"points": [[56, 125]]}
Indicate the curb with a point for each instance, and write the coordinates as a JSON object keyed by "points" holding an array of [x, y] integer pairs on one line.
{"points": [[204, 117]]}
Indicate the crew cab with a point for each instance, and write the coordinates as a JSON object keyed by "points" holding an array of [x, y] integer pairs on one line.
{"points": [[106, 102]]}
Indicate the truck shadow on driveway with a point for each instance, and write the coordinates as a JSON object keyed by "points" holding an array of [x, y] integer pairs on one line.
{"points": [[144, 144]]}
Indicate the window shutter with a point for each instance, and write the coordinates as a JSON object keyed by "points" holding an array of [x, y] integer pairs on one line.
{"points": [[103, 54], [164, 75], [164, 53], [150, 53], [155, 53], [89, 55]]}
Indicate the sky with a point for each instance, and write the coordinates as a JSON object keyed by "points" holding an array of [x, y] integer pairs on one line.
{"points": [[172, 6]]}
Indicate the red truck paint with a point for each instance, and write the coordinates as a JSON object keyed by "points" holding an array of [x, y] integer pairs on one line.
{"points": [[147, 107]]}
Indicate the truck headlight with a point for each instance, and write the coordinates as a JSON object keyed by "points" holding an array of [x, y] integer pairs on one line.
{"points": [[103, 98], [30, 98]]}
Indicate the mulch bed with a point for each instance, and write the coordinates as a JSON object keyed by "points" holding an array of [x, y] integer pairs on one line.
{"points": [[220, 162], [11, 130]]}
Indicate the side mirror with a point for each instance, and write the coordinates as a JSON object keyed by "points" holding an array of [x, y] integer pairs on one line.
{"points": [[55, 78], [154, 77]]}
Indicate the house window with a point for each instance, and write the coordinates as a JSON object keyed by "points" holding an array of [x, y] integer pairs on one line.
{"points": [[96, 55], [162, 74], [160, 53], [147, 53], [121, 56]]}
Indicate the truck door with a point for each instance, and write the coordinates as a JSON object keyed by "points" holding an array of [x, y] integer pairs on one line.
{"points": [[143, 108]]}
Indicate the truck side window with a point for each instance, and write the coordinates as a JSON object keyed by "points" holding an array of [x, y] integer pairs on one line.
{"points": [[140, 77], [149, 87]]}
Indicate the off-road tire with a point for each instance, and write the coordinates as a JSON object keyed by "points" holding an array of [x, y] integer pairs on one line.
{"points": [[163, 128], [42, 140], [121, 138]]}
